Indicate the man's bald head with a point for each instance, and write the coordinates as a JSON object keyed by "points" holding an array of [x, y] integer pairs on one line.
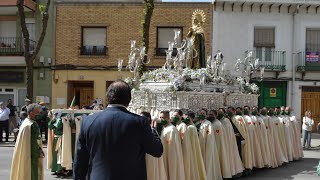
{"points": [[119, 92]]}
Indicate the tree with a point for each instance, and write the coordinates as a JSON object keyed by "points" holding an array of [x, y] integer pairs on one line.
{"points": [[147, 14], [31, 56]]}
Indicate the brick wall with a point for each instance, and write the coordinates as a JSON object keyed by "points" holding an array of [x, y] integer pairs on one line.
{"points": [[123, 23]]}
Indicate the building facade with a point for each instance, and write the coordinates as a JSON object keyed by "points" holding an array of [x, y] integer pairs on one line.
{"points": [[12, 61], [91, 37], [284, 35]]}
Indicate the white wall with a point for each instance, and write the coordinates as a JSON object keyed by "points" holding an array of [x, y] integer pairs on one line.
{"points": [[233, 34]]}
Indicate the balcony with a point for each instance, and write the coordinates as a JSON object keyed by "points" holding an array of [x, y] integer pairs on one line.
{"points": [[308, 61], [12, 46], [10, 6], [93, 50], [270, 59]]}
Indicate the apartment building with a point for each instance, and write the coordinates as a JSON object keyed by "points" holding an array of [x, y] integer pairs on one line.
{"points": [[285, 36], [91, 37]]}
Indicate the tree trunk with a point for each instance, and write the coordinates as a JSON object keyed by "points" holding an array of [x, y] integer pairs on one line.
{"points": [[148, 11], [31, 56]]}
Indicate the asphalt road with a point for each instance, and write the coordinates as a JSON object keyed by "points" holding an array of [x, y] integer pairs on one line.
{"points": [[304, 169]]}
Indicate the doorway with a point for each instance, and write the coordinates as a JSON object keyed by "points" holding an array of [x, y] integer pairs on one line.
{"points": [[310, 100], [81, 91]]}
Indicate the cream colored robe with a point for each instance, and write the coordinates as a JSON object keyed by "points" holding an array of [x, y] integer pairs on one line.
{"points": [[297, 137], [198, 171], [221, 137], [279, 150], [186, 149], [66, 153], [246, 154], [172, 153], [49, 148], [271, 145], [255, 144], [292, 129], [236, 165], [20, 169], [285, 132], [209, 151], [155, 168], [263, 140]]}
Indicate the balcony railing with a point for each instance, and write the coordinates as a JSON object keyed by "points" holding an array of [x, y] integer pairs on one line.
{"points": [[308, 61], [270, 59], [29, 4], [12, 46], [93, 50], [162, 51]]}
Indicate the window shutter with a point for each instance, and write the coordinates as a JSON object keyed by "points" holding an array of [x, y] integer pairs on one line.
{"points": [[94, 36], [313, 40], [264, 37], [165, 35]]}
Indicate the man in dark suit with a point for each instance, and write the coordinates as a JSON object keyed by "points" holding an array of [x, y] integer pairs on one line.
{"points": [[112, 144]]}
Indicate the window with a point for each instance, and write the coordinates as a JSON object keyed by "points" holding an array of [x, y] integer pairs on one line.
{"points": [[94, 41], [313, 40], [164, 35], [30, 23], [264, 42]]}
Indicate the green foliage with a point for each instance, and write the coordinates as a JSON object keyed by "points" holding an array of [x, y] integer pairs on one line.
{"points": [[42, 8]]}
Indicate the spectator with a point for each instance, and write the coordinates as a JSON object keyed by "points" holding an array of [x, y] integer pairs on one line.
{"points": [[42, 119], [129, 137], [12, 116], [307, 129], [27, 102], [23, 115], [4, 121]]}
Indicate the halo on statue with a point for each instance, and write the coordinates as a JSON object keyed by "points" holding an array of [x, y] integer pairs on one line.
{"points": [[199, 15]]}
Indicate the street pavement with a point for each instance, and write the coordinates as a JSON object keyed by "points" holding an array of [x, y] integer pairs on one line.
{"points": [[304, 169]]}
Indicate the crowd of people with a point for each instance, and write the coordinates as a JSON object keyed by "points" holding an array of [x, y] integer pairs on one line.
{"points": [[208, 144], [224, 143], [63, 135], [11, 119]]}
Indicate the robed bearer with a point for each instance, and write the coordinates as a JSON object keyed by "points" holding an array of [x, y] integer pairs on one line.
{"points": [[279, 151], [241, 125], [172, 151], [271, 147], [236, 165], [155, 166], [220, 137], [298, 153], [27, 160], [287, 132], [253, 136], [185, 142], [262, 136], [209, 148], [197, 166]]}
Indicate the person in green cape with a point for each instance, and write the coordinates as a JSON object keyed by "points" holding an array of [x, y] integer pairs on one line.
{"points": [[56, 125], [28, 149]]}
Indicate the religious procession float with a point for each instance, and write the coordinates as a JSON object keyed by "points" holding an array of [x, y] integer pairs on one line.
{"points": [[188, 79]]}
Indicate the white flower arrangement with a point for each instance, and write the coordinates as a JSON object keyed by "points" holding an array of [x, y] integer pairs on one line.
{"points": [[179, 82]]}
